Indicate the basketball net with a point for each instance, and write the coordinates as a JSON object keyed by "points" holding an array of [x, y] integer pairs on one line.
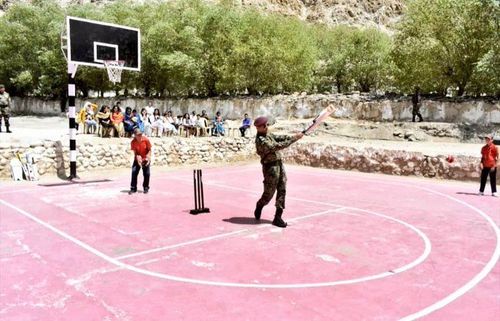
{"points": [[114, 68]]}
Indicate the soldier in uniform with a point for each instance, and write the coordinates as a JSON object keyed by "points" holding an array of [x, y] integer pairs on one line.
{"points": [[4, 108], [417, 103], [268, 147]]}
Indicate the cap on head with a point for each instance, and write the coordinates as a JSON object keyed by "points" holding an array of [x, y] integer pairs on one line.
{"points": [[2, 86], [259, 121], [488, 136]]}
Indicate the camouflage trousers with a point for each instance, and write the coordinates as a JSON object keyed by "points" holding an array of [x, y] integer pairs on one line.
{"points": [[274, 180], [5, 114]]}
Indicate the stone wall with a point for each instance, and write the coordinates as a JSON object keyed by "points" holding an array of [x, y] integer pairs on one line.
{"points": [[114, 153], [362, 107], [53, 157], [382, 161]]}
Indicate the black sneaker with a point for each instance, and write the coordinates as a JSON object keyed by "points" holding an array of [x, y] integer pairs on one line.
{"points": [[146, 190], [132, 191]]}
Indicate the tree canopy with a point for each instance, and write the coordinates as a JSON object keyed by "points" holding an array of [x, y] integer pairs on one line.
{"points": [[191, 48]]}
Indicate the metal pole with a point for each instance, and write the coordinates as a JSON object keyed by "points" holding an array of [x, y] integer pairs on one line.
{"points": [[72, 122]]}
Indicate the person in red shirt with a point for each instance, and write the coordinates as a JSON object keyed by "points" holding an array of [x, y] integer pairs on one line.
{"points": [[489, 164], [141, 146]]}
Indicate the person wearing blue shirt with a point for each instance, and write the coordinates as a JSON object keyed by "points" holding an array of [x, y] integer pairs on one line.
{"points": [[245, 125]]}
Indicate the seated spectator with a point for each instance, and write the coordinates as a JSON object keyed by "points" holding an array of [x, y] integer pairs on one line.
{"points": [[157, 122], [150, 108], [202, 123], [204, 115], [137, 120], [104, 119], [90, 121], [218, 125], [247, 122], [193, 118], [117, 120], [119, 104], [172, 120], [128, 123], [168, 126], [187, 124], [146, 122]]}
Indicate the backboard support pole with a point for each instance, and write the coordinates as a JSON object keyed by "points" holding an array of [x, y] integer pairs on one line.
{"points": [[72, 67]]}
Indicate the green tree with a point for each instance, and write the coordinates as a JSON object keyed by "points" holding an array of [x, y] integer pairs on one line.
{"points": [[440, 42], [370, 59], [31, 58]]}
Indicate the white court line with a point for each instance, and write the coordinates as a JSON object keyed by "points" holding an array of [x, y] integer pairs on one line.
{"points": [[217, 236], [433, 307], [467, 286], [205, 282]]}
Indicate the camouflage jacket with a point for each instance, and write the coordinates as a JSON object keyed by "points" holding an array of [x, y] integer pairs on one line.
{"points": [[268, 146], [4, 99]]}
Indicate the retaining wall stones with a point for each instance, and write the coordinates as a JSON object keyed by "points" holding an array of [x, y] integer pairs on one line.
{"points": [[114, 153], [382, 161]]}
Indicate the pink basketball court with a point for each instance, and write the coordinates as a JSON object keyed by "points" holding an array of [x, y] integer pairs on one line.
{"points": [[357, 247]]}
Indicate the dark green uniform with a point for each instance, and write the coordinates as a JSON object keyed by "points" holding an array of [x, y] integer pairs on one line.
{"points": [[5, 109], [268, 148]]}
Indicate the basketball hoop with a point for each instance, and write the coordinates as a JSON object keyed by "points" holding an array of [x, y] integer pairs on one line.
{"points": [[114, 68]]}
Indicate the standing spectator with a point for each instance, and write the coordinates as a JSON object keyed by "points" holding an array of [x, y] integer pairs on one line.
{"points": [[218, 125], [4, 108], [417, 103], [146, 120], [157, 122], [127, 122], [104, 119], [141, 147], [117, 120], [489, 164], [245, 125]]}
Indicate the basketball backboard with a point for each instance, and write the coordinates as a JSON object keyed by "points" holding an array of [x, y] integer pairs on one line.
{"points": [[90, 43]]}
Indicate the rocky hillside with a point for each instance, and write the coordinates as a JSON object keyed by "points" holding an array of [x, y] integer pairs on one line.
{"points": [[382, 13]]}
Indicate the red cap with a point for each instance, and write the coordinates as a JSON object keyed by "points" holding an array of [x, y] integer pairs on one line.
{"points": [[259, 121]]}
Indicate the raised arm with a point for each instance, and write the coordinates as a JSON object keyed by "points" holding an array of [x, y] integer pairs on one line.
{"points": [[269, 146]]}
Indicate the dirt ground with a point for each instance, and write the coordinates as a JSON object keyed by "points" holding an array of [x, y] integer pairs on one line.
{"points": [[427, 138]]}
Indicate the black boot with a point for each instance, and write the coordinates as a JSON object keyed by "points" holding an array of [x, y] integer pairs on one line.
{"points": [[258, 212], [8, 130], [277, 219]]}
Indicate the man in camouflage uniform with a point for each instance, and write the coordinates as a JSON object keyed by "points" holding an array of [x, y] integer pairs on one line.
{"points": [[4, 108], [416, 100], [268, 147]]}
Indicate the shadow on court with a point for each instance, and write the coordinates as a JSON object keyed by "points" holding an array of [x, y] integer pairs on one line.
{"points": [[246, 221]]}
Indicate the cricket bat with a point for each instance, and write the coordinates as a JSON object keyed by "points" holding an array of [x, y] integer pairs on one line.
{"points": [[323, 115], [24, 167]]}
